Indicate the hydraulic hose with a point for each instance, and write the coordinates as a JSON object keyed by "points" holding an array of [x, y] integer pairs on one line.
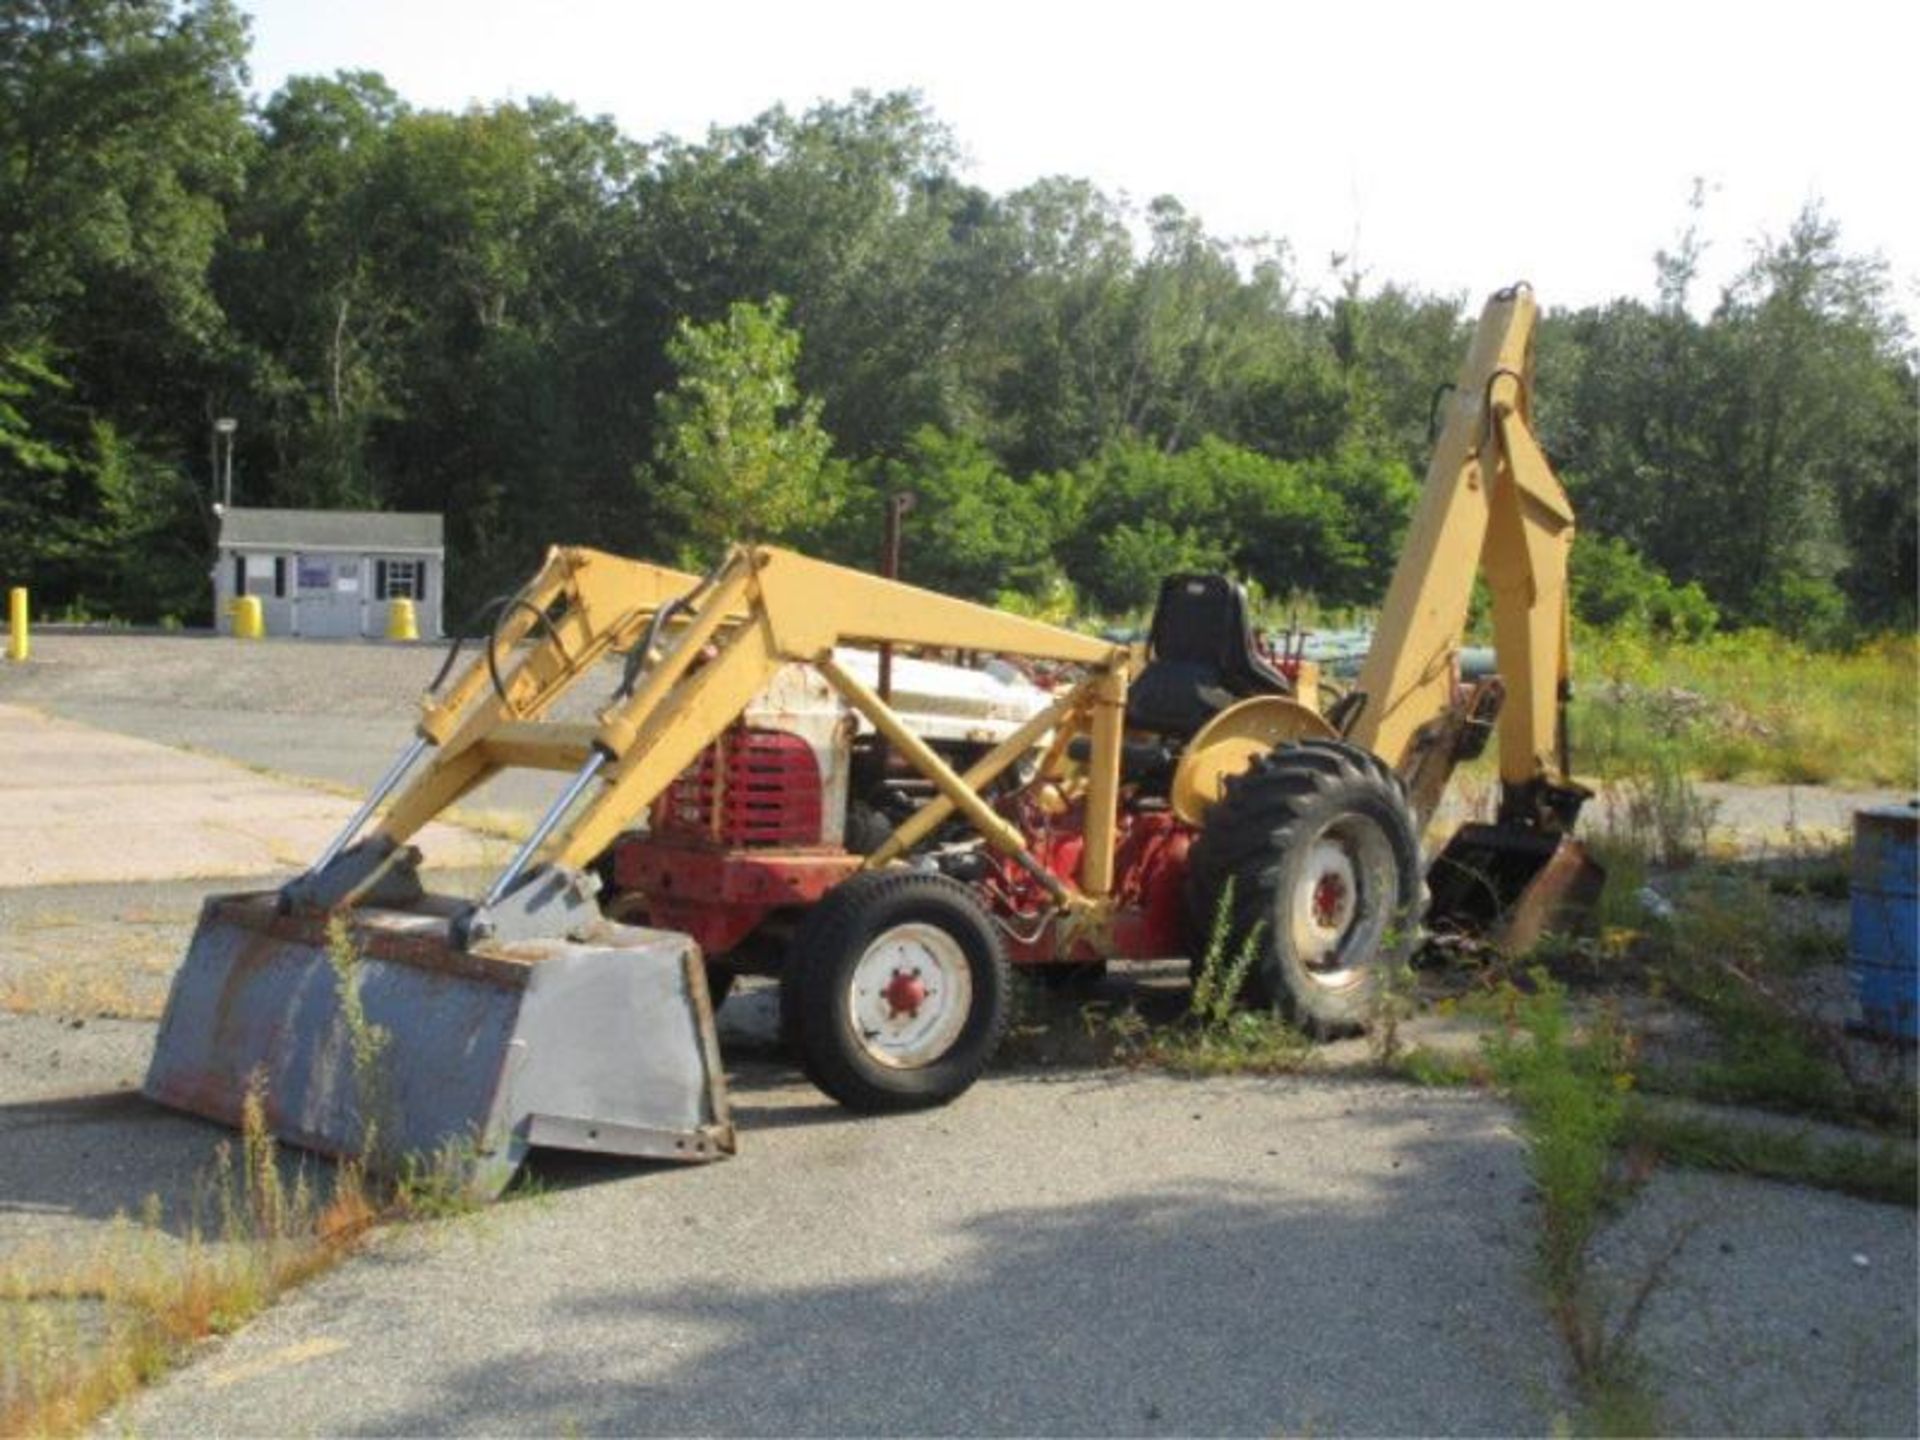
{"points": [[656, 627], [540, 618], [478, 621], [637, 656]]}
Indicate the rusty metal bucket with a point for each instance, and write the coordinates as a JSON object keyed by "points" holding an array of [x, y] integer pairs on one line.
{"points": [[1509, 886], [387, 1042]]}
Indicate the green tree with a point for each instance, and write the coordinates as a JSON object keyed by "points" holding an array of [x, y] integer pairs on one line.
{"points": [[851, 210], [301, 280], [122, 142], [974, 530], [741, 455], [1613, 585], [1766, 453]]}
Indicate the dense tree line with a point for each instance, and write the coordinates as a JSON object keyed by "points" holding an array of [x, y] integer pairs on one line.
{"points": [[551, 331]]}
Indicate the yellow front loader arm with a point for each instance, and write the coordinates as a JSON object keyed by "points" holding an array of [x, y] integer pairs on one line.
{"points": [[700, 651], [580, 607], [1490, 504], [765, 608]]}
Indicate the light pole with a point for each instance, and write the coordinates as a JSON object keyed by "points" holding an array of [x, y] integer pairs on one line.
{"points": [[224, 428]]}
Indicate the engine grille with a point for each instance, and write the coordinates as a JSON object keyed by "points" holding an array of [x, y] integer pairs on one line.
{"points": [[749, 789]]}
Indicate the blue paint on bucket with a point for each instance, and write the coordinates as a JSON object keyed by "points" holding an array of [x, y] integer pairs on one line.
{"points": [[1884, 934]]}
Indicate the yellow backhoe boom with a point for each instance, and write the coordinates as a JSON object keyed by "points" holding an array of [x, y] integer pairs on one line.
{"points": [[1491, 505]]}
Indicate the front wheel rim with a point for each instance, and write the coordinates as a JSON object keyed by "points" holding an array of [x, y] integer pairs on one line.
{"points": [[909, 996], [1340, 903]]}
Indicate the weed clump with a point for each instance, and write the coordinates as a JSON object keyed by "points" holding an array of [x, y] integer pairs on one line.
{"points": [[1218, 1035], [75, 1338], [1571, 1088]]}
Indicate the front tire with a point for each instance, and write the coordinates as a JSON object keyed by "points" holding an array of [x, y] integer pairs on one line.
{"points": [[899, 986], [1319, 843]]}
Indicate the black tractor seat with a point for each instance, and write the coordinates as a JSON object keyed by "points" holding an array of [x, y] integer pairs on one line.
{"points": [[1200, 657]]}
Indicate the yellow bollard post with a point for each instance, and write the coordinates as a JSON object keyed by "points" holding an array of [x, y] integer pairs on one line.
{"points": [[249, 617], [402, 621], [18, 645]]}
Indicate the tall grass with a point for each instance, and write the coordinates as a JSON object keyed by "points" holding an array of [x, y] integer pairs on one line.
{"points": [[77, 1337], [1741, 705], [1571, 1086], [1749, 705]]}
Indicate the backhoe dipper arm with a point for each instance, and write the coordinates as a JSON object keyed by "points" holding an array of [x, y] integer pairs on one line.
{"points": [[1490, 502]]}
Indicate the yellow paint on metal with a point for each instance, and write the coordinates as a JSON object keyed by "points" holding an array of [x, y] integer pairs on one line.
{"points": [[19, 643], [601, 606], [1490, 501], [999, 832], [402, 621], [249, 617], [1228, 743], [761, 609], [1103, 777], [982, 773], [536, 745], [1306, 684], [814, 606], [669, 737]]}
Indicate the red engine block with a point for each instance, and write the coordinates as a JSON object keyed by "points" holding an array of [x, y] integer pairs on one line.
{"points": [[734, 838], [1149, 882]]}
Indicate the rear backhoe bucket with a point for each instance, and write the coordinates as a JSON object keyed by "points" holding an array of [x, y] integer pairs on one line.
{"points": [[1510, 885], [399, 1044]]}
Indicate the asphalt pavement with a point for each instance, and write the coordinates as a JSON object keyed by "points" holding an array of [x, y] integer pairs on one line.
{"points": [[1086, 1254]]}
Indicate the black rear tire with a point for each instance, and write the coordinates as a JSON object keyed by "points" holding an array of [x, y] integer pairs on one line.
{"points": [[1320, 845], [896, 990]]}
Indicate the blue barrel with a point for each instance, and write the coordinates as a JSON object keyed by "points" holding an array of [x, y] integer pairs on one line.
{"points": [[1885, 930]]}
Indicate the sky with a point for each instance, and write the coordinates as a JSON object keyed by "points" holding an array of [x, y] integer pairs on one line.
{"points": [[1451, 147]]}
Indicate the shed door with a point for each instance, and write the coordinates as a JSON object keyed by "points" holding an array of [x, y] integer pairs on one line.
{"points": [[330, 588]]}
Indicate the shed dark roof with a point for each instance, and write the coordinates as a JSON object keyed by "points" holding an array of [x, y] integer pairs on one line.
{"points": [[332, 529]]}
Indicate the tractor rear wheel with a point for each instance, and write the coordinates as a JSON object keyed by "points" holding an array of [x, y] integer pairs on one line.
{"points": [[1319, 843], [898, 987]]}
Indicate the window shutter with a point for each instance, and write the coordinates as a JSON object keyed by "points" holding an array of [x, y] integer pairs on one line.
{"points": [[379, 579]]}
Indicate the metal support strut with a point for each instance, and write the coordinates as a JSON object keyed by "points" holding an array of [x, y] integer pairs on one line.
{"points": [[548, 822], [395, 774]]}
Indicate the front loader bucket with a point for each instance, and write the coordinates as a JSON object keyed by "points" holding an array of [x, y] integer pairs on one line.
{"points": [[390, 1042], [1510, 885]]}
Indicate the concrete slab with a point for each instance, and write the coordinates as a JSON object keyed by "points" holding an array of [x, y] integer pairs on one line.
{"points": [[80, 805], [1784, 1312]]}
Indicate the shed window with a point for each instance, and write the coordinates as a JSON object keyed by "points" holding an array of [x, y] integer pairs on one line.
{"points": [[400, 579], [260, 575]]}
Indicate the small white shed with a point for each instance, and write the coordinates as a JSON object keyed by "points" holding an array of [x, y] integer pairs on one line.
{"points": [[330, 573]]}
